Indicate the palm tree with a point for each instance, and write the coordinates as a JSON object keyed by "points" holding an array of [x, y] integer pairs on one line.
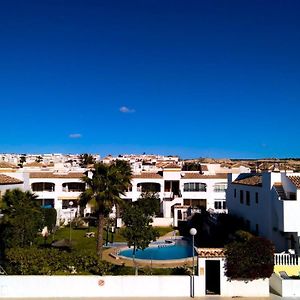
{"points": [[104, 188]]}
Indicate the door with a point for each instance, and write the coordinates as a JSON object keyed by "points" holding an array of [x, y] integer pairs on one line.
{"points": [[212, 277]]}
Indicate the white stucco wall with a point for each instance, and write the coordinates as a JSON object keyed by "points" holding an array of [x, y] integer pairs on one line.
{"points": [[233, 288], [95, 286], [285, 287]]}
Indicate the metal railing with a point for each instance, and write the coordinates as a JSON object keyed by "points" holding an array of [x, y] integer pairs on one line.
{"points": [[286, 259]]}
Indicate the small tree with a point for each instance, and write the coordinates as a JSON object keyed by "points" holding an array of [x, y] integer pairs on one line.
{"points": [[138, 231], [86, 159], [250, 259], [149, 202]]}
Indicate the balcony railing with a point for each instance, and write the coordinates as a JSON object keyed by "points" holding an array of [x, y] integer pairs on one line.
{"points": [[286, 259]]}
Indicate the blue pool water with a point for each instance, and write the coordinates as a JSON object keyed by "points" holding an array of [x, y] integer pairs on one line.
{"points": [[177, 251]]}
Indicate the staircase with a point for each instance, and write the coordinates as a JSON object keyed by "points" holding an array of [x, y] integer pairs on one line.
{"points": [[280, 190]]}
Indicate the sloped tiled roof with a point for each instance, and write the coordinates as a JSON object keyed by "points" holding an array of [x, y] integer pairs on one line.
{"points": [[35, 164], [147, 175], [295, 180], [172, 166], [6, 165], [201, 176], [55, 175], [4, 179], [211, 252], [249, 179]]}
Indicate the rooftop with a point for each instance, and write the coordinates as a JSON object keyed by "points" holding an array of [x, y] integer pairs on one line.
{"points": [[4, 179], [56, 175], [249, 179]]}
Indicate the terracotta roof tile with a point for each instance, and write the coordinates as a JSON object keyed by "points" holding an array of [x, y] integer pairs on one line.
{"points": [[295, 180], [6, 165], [147, 175], [211, 252], [201, 176], [55, 175], [172, 166], [4, 179], [35, 164], [249, 179]]}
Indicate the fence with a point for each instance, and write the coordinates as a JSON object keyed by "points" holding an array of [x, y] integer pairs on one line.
{"points": [[286, 259]]}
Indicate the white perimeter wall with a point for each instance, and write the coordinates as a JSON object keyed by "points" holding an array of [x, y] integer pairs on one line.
{"points": [[121, 286], [90, 286], [285, 287]]}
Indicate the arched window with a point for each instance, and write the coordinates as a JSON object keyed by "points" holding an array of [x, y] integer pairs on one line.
{"points": [[43, 187], [148, 187], [194, 187], [73, 187]]}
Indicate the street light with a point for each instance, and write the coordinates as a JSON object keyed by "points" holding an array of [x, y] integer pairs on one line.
{"points": [[70, 205], [193, 232]]}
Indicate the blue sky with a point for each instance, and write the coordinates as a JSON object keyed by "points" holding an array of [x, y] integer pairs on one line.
{"points": [[189, 78]]}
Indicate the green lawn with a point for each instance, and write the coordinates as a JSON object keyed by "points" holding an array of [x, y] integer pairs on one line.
{"points": [[80, 242]]}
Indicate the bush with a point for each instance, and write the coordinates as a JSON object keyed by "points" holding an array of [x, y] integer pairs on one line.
{"points": [[250, 259], [34, 261], [49, 218]]}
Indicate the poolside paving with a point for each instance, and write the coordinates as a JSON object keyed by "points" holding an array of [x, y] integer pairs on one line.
{"points": [[143, 263]]}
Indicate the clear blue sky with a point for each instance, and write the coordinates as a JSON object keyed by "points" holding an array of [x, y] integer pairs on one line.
{"points": [[189, 78]]}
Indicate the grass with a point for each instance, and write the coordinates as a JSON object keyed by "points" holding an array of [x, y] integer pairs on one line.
{"points": [[80, 242]]}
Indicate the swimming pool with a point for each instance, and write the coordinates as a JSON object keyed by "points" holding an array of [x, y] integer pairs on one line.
{"points": [[165, 251]]}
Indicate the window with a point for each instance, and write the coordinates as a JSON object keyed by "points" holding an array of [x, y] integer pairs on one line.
{"points": [[220, 204], [248, 198], [241, 197], [46, 203], [220, 187], [43, 187], [194, 187], [66, 204], [195, 202], [256, 197], [73, 187], [256, 229]]}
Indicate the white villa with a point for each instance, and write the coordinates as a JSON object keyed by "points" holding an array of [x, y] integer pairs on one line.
{"points": [[269, 202]]}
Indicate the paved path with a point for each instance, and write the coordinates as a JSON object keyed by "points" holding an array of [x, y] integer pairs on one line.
{"points": [[143, 263]]}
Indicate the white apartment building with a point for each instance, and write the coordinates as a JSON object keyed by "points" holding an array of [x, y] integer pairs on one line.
{"points": [[270, 205], [58, 190], [180, 192]]}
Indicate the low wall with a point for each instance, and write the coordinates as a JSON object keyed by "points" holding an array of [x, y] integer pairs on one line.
{"points": [[285, 287], [163, 222], [240, 288], [96, 286]]}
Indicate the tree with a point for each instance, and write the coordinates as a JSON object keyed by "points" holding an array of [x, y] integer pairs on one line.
{"points": [[138, 232], [250, 259], [39, 159], [104, 188], [22, 218], [149, 202], [86, 159], [22, 160]]}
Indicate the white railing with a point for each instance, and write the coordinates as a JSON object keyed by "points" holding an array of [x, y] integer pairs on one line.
{"points": [[286, 259]]}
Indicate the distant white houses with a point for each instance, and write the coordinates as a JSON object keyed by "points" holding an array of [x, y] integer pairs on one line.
{"points": [[269, 203], [181, 193]]}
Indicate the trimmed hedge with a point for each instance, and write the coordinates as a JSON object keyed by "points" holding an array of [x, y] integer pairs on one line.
{"points": [[250, 259]]}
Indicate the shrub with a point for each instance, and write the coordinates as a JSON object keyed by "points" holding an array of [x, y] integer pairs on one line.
{"points": [[34, 261], [250, 259], [49, 217]]}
